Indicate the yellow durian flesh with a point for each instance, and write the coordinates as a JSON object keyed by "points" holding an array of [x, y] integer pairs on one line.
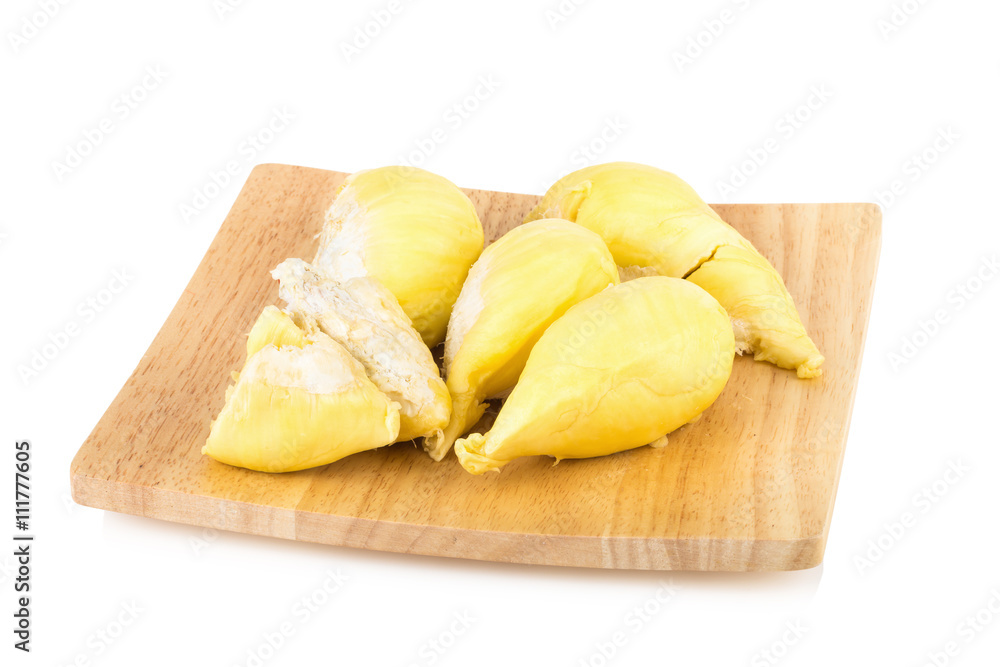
{"points": [[651, 218], [519, 285], [619, 370], [299, 402], [364, 317], [764, 321], [274, 327], [414, 231]]}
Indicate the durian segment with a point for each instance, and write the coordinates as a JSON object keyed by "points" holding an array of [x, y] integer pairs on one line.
{"points": [[274, 327], [364, 317], [518, 287], [300, 401], [619, 370], [764, 317], [414, 231], [651, 218]]}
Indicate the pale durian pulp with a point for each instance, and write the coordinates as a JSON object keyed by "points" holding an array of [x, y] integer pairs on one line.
{"points": [[619, 370], [300, 401], [515, 290], [364, 317], [414, 231], [651, 218]]}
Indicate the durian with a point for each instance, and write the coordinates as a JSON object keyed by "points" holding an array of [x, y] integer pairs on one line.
{"points": [[364, 317], [619, 370], [300, 401], [414, 231], [651, 218], [519, 285]]}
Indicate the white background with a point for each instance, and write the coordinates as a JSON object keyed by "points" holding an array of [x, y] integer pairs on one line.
{"points": [[602, 67]]}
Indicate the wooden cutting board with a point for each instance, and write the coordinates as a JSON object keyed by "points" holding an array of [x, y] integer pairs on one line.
{"points": [[750, 486]]}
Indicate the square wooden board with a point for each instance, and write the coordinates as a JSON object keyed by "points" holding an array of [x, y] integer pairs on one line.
{"points": [[750, 486]]}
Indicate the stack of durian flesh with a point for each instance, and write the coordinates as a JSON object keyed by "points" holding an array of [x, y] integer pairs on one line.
{"points": [[605, 321]]}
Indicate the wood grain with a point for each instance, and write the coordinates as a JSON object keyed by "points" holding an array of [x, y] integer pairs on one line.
{"points": [[750, 486]]}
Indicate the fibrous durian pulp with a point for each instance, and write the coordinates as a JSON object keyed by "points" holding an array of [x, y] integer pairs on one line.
{"points": [[519, 285], [364, 317], [414, 231], [300, 401], [651, 218], [619, 370]]}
